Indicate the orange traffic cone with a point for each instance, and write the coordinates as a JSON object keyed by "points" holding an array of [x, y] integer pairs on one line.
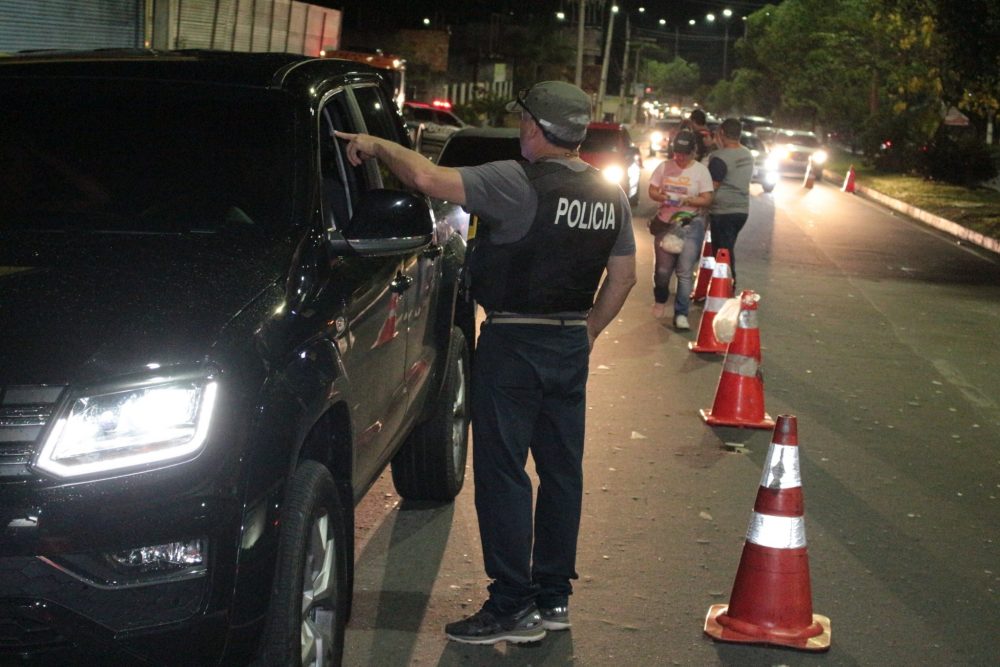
{"points": [[810, 178], [705, 272], [771, 602], [739, 398], [719, 289], [388, 331], [849, 180]]}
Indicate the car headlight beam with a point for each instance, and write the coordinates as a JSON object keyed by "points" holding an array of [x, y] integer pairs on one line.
{"points": [[613, 173], [819, 157], [107, 431]]}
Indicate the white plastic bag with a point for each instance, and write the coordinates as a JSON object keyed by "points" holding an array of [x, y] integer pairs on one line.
{"points": [[726, 319], [672, 243]]}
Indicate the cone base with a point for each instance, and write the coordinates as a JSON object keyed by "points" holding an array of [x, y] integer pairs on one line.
{"points": [[716, 631], [706, 414], [694, 346]]}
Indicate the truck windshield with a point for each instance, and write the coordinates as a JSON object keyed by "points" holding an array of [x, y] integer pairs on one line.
{"points": [[143, 157]]}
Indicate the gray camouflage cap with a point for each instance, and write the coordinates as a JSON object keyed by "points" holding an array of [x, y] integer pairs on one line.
{"points": [[560, 108]]}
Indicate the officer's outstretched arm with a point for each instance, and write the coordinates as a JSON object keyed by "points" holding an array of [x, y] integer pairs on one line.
{"points": [[415, 170], [618, 282]]}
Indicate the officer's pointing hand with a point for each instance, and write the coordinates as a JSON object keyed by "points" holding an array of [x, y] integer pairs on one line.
{"points": [[360, 147]]}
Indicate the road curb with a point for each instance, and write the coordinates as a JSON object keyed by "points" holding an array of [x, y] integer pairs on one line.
{"points": [[936, 221]]}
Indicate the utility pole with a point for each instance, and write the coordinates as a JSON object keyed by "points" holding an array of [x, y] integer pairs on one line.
{"points": [[604, 64], [624, 76], [581, 12]]}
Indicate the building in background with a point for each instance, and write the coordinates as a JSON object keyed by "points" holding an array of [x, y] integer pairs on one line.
{"points": [[227, 25]]}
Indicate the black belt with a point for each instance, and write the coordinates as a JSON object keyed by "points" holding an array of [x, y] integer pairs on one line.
{"points": [[527, 319]]}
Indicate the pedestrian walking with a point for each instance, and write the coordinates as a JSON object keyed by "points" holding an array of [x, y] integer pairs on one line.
{"points": [[731, 167], [679, 185], [705, 143], [549, 228]]}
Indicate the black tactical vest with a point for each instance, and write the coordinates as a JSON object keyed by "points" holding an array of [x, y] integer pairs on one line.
{"points": [[557, 266]]}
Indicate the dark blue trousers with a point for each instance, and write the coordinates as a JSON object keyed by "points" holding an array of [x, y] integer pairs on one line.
{"points": [[529, 394]]}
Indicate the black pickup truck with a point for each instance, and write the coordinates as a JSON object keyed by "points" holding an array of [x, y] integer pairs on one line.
{"points": [[216, 335]]}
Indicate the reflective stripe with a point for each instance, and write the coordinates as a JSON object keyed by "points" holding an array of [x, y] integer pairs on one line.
{"points": [[782, 469], [777, 532], [721, 270], [713, 303], [748, 319], [708, 262], [740, 365]]}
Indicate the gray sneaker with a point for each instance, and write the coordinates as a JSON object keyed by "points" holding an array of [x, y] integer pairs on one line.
{"points": [[555, 618], [485, 627], [681, 323]]}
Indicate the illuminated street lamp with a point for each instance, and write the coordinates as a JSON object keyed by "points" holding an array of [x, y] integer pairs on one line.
{"points": [[728, 14]]}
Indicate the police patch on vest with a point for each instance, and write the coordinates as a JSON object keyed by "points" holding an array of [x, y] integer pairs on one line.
{"points": [[583, 214]]}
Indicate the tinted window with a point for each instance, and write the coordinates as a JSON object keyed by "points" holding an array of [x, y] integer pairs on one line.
{"points": [[419, 113], [751, 142], [380, 120], [128, 156], [447, 118], [798, 139], [341, 181], [599, 140], [470, 151]]}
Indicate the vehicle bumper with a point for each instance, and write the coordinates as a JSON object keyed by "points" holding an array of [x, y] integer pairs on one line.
{"points": [[61, 599]]}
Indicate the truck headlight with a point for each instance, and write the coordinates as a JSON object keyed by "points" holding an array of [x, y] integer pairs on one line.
{"points": [[613, 173], [819, 157], [156, 422]]}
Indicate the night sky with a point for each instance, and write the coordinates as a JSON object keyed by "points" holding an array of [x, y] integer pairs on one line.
{"points": [[410, 13]]}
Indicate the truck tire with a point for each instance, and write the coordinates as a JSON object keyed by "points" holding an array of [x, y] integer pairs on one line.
{"points": [[431, 463], [308, 611]]}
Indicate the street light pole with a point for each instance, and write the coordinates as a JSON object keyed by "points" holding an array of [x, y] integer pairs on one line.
{"points": [[604, 64], [727, 13], [579, 43], [621, 87]]}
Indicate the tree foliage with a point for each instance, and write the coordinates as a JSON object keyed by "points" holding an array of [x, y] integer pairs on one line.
{"points": [[869, 70], [672, 79]]}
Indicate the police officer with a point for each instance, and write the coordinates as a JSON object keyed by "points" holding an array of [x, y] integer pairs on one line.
{"points": [[550, 228]]}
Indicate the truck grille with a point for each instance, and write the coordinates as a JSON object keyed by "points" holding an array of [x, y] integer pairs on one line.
{"points": [[24, 413]]}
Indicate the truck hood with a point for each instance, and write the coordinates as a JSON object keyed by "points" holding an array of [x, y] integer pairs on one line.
{"points": [[82, 308]]}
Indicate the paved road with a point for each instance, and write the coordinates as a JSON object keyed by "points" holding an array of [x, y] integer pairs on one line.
{"points": [[882, 338]]}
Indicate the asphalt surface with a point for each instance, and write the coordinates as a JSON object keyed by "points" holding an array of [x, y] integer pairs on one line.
{"points": [[880, 336]]}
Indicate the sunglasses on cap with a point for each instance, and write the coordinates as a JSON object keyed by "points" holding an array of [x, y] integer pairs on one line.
{"points": [[521, 99]]}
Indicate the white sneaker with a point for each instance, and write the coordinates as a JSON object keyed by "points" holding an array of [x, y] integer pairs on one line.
{"points": [[659, 310], [681, 323]]}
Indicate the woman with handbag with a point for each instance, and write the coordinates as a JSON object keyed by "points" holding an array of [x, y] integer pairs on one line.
{"points": [[681, 186]]}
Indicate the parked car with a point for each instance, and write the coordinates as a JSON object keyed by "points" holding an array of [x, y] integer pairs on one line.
{"points": [[796, 150], [477, 145], [766, 135], [217, 335], [765, 169], [662, 134], [430, 125], [609, 147], [752, 123]]}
